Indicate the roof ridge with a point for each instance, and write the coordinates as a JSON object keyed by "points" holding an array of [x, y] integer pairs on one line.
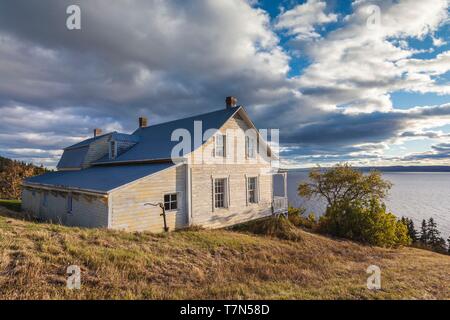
{"points": [[186, 118], [78, 144]]}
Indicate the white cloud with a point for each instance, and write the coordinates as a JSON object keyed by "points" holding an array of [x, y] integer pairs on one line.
{"points": [[433, 67], [303, 19], [357, 67], [437, 42]]}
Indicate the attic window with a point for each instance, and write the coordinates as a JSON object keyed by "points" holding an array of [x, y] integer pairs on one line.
{"points": [[112, 149], [219, 145], [250, 147]]}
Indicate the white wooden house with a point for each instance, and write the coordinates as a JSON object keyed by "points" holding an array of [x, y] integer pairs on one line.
{"points": [[110, 180]]}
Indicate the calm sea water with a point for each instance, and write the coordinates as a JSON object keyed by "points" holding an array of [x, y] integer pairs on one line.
{"points": [[414, 195]]}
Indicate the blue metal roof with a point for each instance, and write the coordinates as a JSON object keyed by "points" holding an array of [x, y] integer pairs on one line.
{"points": [[155, 141], [75, 155], [117, 136], [101, 179], [73, 158]]}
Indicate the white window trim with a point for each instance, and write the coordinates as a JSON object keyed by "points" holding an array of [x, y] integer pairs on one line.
{"points": [[226, 198], [256, 189], [178, 200], [246, 189], [115, 149], [258, 194], [224, 147], [247, 147]]}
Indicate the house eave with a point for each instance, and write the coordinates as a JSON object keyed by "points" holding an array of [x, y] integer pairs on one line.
{"points": [[68, 168], [63, 188], [74, 146]]}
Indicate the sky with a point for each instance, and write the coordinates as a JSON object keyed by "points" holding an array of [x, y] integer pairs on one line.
{"points": [[363, 82]]}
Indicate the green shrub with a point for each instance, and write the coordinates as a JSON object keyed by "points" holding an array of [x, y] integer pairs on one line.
{"points": [[11, 204], [368, 224], [296, 217], [278, 227]]}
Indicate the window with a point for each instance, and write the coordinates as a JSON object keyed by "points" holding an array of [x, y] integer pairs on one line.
{"points": [[112, 149], [252, 189], [219, 149], [250, 147], [45, 199], [69, 203], [220, 193], [170, 201]]}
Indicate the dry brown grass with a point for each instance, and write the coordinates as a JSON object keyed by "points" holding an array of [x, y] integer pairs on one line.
{"points": [[202, 264], [278, 227]]}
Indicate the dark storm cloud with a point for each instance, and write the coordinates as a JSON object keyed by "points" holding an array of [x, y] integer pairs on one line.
{"points": [[359, 136], [299, 150], [410, 134], [439, 152], [141, 54], [340, 128]]}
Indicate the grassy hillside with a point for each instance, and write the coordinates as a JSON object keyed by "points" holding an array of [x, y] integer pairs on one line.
{"points": [[205, 264]]}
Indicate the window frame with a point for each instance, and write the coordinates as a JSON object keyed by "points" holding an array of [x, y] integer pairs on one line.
{"points": [[224, 193], [112, 153], [255, 190], [170, 194], [253, 143], [223, 148]]}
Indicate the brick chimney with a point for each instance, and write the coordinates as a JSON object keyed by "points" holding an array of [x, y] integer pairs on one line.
{"points": [[97, 132], [230, 102], [142, 122]]}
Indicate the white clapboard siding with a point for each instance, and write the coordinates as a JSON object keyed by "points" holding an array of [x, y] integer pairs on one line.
{"points": [[128, 210], [87, 210], [97, 150]]}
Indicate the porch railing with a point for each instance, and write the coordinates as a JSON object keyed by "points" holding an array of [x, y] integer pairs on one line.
{"points": [[279, 205]]}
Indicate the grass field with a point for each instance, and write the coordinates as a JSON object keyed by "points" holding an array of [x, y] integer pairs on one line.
{"points": [[206, 264]]}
